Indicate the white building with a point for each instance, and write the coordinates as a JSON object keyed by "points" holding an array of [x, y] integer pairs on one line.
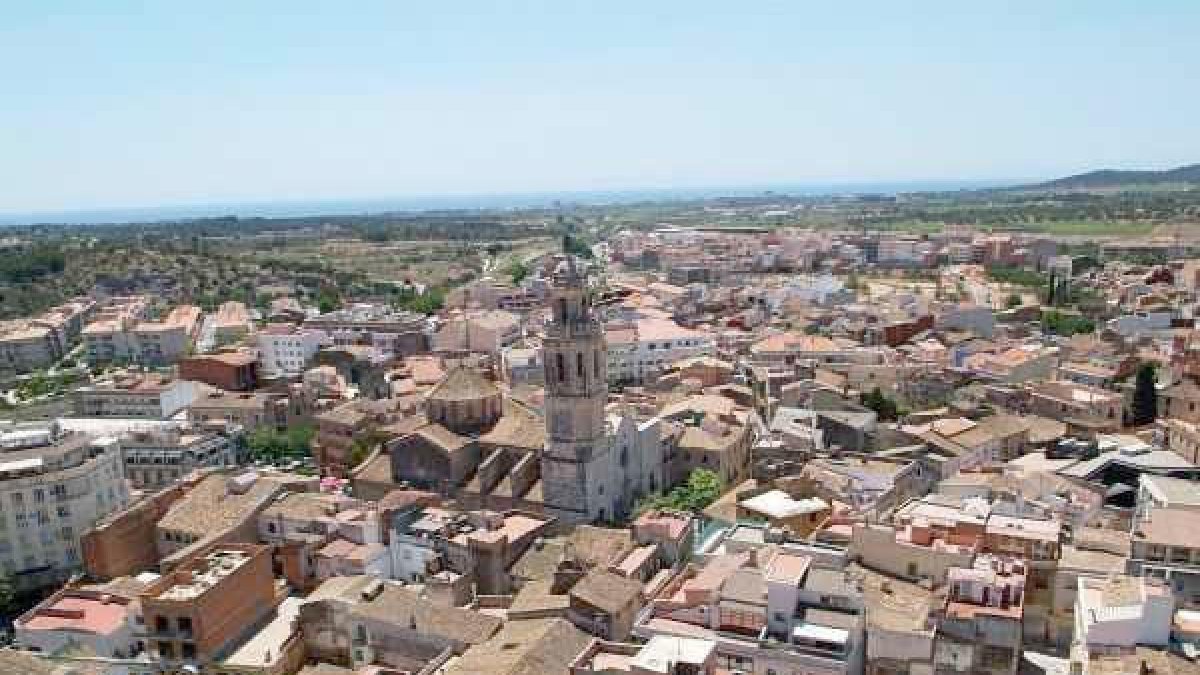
{"points": [[53, 487], [89, 621], [155, 459], [125, 336], [284, 350], [1119, 613], [136, 395], [644, 348]]}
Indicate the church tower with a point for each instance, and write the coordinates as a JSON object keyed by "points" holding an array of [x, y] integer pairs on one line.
{"points": [[579, 477]]}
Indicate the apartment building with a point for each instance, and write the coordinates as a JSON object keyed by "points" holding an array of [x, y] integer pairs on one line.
{"points": [[30, 344], [379, 326], [1117, 614], [1023, 363], [25, 347], [248, 410], [979, 625], [285, 350], [125, 335], [231, 371], [104, 337], [646, 347], [1164, 543], [363, 621], [136, 395], [95, 621], [200, 611], [1084, 406], [155, 459], [231, 323], [53, 487], [766, 612]]}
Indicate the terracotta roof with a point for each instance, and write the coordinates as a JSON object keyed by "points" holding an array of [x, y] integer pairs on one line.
{"points": [[530, 647], [463, 383], [375, 469], [520, 427], [19, 663], [441, 437], [404, 607], [211, 507], [795, 342], [607, 591], [600, 546]]}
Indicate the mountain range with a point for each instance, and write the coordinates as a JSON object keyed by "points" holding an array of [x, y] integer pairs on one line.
{"points": [[1109, 178]]}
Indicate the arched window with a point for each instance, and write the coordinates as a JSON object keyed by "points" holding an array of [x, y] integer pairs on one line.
{"points": [[562, 368]]}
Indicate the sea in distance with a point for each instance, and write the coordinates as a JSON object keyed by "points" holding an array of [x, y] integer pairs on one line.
{"points": [[467, 202]]}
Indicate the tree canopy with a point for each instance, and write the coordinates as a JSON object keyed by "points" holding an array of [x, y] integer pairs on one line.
{"points": [[702, 488], [885, 407], [270, 445], [1145, 396]]}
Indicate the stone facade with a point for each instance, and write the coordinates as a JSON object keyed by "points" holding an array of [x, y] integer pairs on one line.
{"points": [[588, 473]]}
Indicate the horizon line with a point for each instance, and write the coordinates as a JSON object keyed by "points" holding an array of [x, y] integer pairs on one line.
{"points": [[535, 198]]}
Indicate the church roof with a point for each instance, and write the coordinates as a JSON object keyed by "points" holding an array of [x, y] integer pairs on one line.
{"points": [[441, 437], [464, 384], [519, 427]]}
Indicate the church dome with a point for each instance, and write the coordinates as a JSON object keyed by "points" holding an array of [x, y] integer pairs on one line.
{"points": [[465, 401]]}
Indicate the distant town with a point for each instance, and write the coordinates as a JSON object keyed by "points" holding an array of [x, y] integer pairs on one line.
{"points": [[926, 433]]}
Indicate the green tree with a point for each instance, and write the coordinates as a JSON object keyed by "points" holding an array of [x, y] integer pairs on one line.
{"points": [[884, 407], [1145, 396], [702, 488], [328, 300], [1066, 324], [518, 271], [298, 439], [1013, 301]]}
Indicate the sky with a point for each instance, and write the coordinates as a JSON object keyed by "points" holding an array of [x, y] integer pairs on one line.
{"points": [[140, 104]]}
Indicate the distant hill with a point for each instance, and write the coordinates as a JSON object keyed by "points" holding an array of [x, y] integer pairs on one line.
{"points": [[1108, 178]]}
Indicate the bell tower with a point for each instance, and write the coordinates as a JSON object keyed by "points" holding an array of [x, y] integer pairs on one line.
{"points": [[576, 473]]}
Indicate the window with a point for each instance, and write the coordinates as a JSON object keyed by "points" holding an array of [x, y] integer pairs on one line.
{"points": [[579, 364], [562, 368]]}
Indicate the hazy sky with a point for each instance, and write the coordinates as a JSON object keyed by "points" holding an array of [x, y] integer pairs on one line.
{"points": [[123, 104]]}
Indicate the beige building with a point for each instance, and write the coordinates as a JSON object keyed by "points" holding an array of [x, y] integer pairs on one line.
{"points": [[136, 395], [31, 344], [1081, 404], [249, 410], [122, 334], [231, 323], [486, 331], [54, 486]]}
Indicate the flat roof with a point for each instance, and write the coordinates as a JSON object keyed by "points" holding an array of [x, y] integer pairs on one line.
{"points": [[265, 647], [779, 504], [663, 651], [810, 631], [101, 615]]}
